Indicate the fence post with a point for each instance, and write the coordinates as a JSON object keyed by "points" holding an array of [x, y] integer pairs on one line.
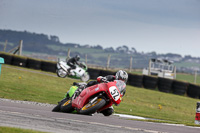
{"points": [[86, 59], [131, 60], [20, 47], [68, 55], [108, 62], [195, 76], [149, 72], [17, 49], [58, 59], [4, 49], [174, 72]]}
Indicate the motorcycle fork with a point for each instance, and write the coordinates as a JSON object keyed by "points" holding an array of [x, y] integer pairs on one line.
{"points": [[95, 98], [63, 67]]}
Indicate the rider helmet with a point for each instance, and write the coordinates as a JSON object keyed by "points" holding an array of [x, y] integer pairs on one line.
{"points": [[121, 75], [77, 57]]}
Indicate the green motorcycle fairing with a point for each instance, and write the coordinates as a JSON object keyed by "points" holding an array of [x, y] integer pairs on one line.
{"points": [[74, 76], [71, 91]]}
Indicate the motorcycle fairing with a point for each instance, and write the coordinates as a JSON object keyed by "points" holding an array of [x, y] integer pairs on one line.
{"points": [[114, 92], [72, 90], [81, 100], [76, 73], [87, 93]]}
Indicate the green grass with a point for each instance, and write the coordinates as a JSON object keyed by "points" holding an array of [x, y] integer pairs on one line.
{"points": [[80, 50], [24, 85], [158, 105], [187, 64], [17, 130], [96, 53], [188, 78], [8, 43]]}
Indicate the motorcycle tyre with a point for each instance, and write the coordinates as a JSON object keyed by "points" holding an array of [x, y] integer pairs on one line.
{"points": [[96, 106], [57, 107], [66, 106], [107, 112], [85, 77], [57, 72]]}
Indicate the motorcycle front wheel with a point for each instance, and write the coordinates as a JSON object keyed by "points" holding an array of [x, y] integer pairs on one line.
{"points": [[85, 77], [67, 106], [91, 108], [61, 73], [57, 107]]}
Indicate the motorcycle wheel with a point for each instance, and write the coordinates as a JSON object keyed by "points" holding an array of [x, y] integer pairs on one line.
{"points": [[92, 108], [85, 77], [61, 73], [66, 106], [57, 107]]}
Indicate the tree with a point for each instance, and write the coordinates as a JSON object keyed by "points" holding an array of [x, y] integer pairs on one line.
{"points": [[54, 38]]}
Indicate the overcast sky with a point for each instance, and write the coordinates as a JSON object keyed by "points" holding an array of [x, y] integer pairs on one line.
{"points": [[163, 26]]}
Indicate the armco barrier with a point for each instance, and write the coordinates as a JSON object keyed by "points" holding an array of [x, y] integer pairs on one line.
{"points": [[19, 61], [150, 82], [193, 91], [179, 87], [135, 80], [48, 66], [33, 64], [165, 85], [7, 57]]}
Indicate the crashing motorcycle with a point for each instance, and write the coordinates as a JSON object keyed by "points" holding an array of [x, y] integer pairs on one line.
{"points": [[93, 99], [79, 73]]}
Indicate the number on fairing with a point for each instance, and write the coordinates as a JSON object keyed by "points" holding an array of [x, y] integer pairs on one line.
{"points": [[114, 93]]}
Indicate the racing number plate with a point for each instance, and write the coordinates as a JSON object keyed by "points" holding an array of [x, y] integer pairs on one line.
{"points": [[114, 93]]}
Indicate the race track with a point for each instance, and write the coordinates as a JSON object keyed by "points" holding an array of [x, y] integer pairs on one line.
{"points": [[38, 116]]}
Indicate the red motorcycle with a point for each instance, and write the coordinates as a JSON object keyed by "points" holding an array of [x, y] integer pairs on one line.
{"points": [[95, 98]]}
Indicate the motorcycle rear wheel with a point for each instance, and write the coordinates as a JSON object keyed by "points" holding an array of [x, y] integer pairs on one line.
{"points": [[61, 73], [67, 106], [85, 77], [92, 108]]}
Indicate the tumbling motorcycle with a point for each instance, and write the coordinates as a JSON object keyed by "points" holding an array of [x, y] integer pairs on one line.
{"points": [[92, 99], [79, 73]]}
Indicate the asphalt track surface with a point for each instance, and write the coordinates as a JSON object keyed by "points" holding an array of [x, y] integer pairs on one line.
{"points": [[38, 116]]}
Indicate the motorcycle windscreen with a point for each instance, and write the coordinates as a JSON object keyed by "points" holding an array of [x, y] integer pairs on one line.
{"points": [[121, 86]]}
